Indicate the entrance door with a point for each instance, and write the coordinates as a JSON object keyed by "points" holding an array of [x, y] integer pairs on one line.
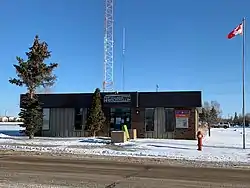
{"points": [[118, 123], [119, 117]]}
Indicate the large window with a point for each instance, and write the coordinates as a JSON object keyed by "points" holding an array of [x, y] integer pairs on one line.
{"points": [[78, 119], [169, 119], [46, 116], [149, 119]]}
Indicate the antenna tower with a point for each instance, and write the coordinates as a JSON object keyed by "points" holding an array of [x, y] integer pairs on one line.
{"points": [[108, 82]]}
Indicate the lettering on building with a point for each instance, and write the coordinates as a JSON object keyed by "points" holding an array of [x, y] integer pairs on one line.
{"points": [[117, 98]]}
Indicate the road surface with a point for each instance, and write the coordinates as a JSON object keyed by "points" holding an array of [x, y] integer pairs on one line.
{"points": [[22, 171]]}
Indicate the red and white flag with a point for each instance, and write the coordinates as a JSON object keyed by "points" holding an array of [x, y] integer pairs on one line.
{"points": [[237, 31]]}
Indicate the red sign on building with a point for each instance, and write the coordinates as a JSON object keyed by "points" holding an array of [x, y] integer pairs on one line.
{"points": [[182, 113]]}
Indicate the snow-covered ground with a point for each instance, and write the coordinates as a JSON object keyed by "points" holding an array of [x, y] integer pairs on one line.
{"points": [[224, 145], [9, 128]]}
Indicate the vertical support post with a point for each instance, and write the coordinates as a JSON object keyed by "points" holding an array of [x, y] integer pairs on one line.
{"points": [[243, 83]]}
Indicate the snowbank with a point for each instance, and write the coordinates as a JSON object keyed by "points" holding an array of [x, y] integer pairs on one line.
{"points": [[224, 145], [4, 135]]}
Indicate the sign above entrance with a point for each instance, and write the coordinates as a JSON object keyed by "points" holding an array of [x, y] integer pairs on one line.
{"points": [[124, 98]]}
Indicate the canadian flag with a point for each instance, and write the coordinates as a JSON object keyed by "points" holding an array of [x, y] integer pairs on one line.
{"points": [[237, 31]]}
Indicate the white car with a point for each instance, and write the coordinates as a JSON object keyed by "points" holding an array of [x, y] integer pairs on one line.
{"points": [[222, 125]]}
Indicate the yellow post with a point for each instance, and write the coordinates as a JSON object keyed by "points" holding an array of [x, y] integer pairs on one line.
{"points": [[125, 129]]}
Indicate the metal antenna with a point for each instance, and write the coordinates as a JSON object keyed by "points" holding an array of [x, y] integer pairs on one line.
{"points": [[123, 58], [108, 80], [157, 88]]}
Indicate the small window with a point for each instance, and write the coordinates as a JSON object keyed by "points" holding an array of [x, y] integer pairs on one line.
{"points": [[46, 118], [149, 119], [78, 119], [169, 119]]}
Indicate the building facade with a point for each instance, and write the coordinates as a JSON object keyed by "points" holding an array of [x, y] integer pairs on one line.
{"points": [[171, 115]]}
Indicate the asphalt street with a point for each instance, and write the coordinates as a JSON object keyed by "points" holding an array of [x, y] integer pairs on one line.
{"points": [[22, 171]]}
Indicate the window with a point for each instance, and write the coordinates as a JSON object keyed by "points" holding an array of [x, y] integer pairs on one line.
{"points": [[169, 119], [46, 117], [78, 119], [149, 119]]}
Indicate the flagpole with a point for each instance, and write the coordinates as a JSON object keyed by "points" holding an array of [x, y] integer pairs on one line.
{"points": [[243, 82]]}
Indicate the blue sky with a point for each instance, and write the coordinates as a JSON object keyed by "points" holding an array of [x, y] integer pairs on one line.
{"points": [[180, 45]]}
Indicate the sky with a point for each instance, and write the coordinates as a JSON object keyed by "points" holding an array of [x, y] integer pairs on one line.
{"points": [[179, 45]]}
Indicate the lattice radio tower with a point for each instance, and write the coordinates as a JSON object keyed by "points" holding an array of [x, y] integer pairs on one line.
{"points": [[108, 82]]}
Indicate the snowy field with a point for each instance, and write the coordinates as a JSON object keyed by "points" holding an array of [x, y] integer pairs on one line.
{"points": [[10, 129], [224, 145]]}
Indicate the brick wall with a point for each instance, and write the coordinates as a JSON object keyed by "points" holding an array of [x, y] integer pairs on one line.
{"points": [[137, 122], [190, 132]]}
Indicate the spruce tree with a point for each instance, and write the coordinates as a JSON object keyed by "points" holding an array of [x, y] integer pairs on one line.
{"points": [[32, 74], [96, 117], [32, 115], [236, 119]]}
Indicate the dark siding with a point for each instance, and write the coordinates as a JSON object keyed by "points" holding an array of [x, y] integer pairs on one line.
{"points": [[64, 100], [62, 123], [146, 99], [170, 99]]}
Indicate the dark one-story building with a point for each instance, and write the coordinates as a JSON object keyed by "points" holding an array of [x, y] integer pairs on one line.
{"points": [[172, 115]]}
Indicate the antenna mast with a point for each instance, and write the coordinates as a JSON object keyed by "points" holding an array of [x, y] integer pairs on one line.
{"points": [[123, 58], [108, 82]]}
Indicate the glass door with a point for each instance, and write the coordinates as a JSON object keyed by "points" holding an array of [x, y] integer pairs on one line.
{"points": [[119, 117], [118, 123]]}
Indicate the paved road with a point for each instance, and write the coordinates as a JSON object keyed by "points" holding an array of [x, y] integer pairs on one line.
{"points": [[17, 171]]}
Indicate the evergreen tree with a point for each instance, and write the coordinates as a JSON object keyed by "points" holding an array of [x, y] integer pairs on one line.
{"points": [[96, 118], [236, 119], [32, 74], [32, 115]]}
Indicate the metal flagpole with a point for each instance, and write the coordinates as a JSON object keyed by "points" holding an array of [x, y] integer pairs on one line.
{"points": [[243, 82]]}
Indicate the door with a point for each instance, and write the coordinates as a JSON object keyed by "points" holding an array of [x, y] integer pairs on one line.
{"points": [[119, 117], [127, 120], [118, 123]]}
